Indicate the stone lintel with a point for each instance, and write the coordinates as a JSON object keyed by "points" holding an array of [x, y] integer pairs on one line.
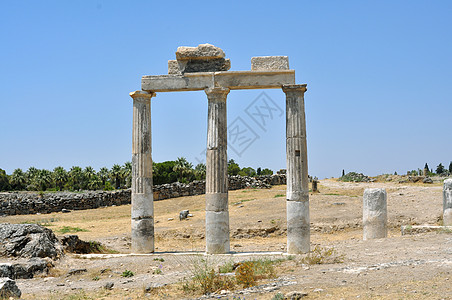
{"points": [[234, 80]]}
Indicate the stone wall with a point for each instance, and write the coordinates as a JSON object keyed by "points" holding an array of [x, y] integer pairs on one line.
{"points": [[22, 203]]}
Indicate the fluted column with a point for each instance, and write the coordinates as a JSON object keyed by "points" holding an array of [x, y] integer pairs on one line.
{"points": [[142, 195], [217, 215], [298, 226], [447, 202]]}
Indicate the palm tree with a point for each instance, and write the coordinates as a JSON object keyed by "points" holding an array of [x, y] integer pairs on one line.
{"points": [[44, 179], [116, 174], [103, 175], [184, 169], [18, 180], [127, 173], [94, 183], [200, 171], [88, 172], [31, 176], [76, 177], [60, 177]]}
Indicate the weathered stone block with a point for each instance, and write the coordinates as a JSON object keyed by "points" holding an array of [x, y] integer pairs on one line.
{"points": [[173, 68], [261, 63], [206, 65], [447, 202], [202, 51], [375, 214], [8, 288]]}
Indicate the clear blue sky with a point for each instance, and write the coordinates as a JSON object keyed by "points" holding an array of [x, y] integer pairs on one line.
{"points": [[379, 77]]}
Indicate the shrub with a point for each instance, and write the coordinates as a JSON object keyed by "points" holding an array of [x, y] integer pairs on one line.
{"points": [[322, 255], [127, 273]]}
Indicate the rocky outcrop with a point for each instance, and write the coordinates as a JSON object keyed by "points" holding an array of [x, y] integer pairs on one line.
{"points": [[32, 203], [28, 240]]}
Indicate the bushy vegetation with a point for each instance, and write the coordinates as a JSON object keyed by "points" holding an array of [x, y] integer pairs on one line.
{"points": [[246, 274], [118, 177]]}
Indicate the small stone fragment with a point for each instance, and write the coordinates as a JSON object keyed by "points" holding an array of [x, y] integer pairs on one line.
{"points": [[76, 271], [266, 63], [202, 51], [109, 285], [295, 295]]}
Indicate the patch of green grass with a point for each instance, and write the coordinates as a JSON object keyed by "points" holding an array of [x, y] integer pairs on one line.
{"points": [[69, 229], [242, 201], [127, 273], [333, 194], [228, 267], [279, 195], [42, 222], [159, 259]]}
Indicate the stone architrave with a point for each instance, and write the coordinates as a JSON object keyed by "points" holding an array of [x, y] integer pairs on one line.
{"points": [[297, 196], [375, 214], [447, 202], [217, 214], [142, 195]]}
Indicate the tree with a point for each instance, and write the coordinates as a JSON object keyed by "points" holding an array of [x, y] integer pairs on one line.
{"points": [[247, 172], [184, 169], [59, 177], [76, 178], [103, 175], [115, 174], [127, 174], [343, 172], [440, 169], [259, 171], [163, 172], [233, 167], [44, 179], [4, 181], [450, 167], [200, 171], [266, 172], [18, 180]]}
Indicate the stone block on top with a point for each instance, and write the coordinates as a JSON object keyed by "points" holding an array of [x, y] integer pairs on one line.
{"points": [[267, 63]]}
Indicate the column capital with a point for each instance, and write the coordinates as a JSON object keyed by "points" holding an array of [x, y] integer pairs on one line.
{"points": [[217, 91], [142, 95], [294, 87]]}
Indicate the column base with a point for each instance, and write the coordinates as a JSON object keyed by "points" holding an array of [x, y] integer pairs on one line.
{"points": [[217, 232], [298, 227], [143, 235]]}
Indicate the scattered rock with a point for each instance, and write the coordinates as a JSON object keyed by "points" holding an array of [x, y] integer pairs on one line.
{"points": [[8, 288], [427, 180], [295, 295], [64, 210], [76, 271], [170, 219], [28, 240], [25, 270], [183, 214], [355, 177], [108, 285]]}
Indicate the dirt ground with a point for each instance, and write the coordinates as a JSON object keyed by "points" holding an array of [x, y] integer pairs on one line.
{"points": [[398, 267]]}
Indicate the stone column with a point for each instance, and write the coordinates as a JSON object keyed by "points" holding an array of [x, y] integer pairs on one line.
{"points": [[374, 214], [217, 214], [447, 202], [142, 195], [297, 195]]}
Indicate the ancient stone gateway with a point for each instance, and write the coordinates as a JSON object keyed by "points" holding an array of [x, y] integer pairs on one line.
{"points": [[206, 68]]}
